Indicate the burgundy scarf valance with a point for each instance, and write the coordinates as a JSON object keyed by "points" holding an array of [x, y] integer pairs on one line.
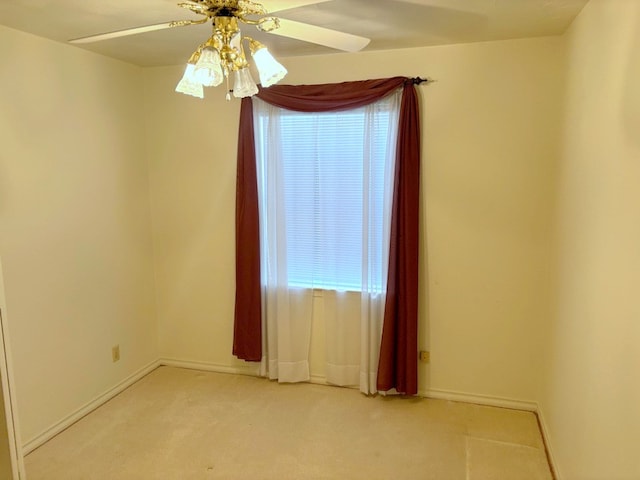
{"points": [[330, 97], [399, 348]]}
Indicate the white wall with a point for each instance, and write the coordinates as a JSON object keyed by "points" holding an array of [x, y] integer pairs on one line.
{"points": [[592, 380], [74, 225], [491, 138]]}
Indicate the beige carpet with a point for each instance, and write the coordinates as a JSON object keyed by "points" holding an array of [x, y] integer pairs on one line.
{"points": [[184, 424]]}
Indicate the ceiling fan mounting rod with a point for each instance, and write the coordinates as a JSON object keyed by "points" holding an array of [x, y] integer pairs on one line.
{"points": [[224, 12], [213, 9], [224, 8]]}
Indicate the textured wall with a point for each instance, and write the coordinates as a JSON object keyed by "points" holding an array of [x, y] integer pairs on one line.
{"points": [[75, 234], [592, 389]]}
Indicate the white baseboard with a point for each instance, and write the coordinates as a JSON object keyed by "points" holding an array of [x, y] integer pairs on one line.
{"points": [[487, 400], [546, 436], [322, 380], [251, 370], [72, 418]]}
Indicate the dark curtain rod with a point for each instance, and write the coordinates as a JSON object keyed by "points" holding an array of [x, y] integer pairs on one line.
{"points": [[420, 80]]}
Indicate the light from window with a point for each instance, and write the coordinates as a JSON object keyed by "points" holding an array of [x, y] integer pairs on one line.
{"points": [[333, 167]]}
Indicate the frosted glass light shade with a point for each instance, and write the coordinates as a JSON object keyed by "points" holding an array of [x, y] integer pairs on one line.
{"points": [[244, 85], [188, 85], [271, 71], [208, 71]]}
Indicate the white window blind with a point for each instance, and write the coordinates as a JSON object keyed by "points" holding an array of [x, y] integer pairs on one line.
{"points": [[332, 169]]}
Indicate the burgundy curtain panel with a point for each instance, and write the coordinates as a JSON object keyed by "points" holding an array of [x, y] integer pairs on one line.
{"points": [[247, 328], [398, 366]]}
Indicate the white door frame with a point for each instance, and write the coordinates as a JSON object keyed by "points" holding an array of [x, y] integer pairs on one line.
{"points": [[8, 390]]}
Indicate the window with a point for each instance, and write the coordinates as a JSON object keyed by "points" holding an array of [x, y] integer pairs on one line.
{"points": [[333, 172]]}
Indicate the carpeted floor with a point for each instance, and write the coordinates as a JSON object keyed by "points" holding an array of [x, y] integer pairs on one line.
{"points": [[178, 424]]}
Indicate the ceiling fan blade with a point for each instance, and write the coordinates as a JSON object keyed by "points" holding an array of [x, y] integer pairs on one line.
{"points": [[320, 36], [278, 5], [126, 32]]}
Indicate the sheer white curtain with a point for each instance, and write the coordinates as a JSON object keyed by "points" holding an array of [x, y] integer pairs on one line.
{"points": [[310, 226], [286, 310], [354, 319]]}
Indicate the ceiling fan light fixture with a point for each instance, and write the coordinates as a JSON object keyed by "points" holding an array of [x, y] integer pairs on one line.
{"points": [[271, 71], [223, 53], [244, 85], [208, 70], [189, 84]]}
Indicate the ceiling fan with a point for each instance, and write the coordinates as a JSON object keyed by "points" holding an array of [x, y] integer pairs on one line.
{"points": [[247, 11], [223, 53]]}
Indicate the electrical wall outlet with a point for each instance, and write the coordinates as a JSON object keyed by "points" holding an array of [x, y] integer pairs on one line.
{"points": [[115, 353], [425, 356]]}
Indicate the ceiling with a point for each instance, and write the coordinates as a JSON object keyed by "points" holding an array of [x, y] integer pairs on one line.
{"points": [[389, 24]]}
